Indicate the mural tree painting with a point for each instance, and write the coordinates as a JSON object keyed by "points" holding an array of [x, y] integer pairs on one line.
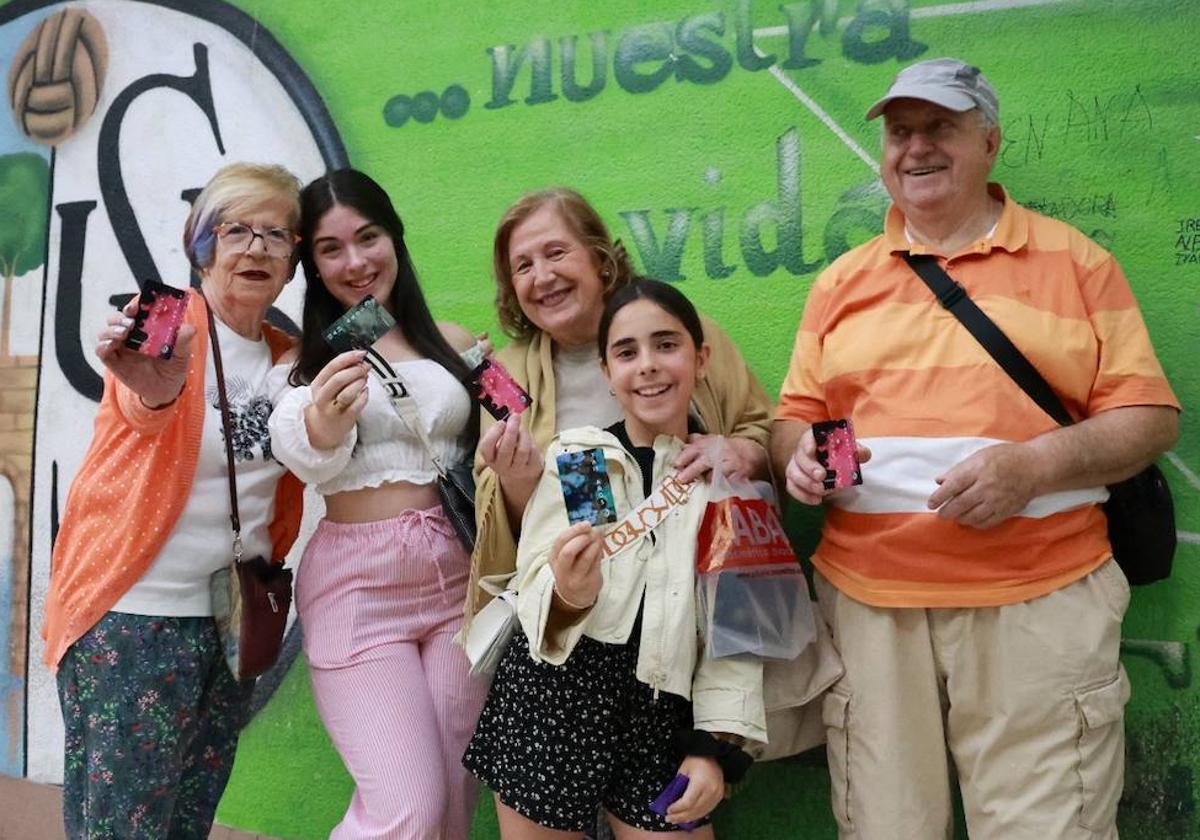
{"points": [[24, 187]]}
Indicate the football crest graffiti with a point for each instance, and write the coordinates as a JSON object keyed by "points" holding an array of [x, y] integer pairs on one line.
{"points": [[106, 144]]}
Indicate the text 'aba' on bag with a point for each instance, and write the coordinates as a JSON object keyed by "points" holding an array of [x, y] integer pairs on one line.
{"points": [[753, 593]]}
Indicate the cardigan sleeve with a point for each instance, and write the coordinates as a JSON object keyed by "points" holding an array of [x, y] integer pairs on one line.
{"points": [[139, 417]]}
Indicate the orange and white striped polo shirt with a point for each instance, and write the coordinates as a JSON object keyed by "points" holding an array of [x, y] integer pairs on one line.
{"points": [[874, 345]]}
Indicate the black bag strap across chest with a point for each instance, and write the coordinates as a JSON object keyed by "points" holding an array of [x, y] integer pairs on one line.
{"points": [[958, 303]]}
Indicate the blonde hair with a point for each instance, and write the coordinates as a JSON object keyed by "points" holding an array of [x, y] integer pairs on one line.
{"points": [[236, 186], [612, 261]]}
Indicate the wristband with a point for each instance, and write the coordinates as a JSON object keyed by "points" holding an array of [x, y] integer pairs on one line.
{"points": [[732, 759]]}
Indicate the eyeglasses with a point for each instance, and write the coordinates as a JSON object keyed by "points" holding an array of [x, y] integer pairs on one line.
{"points": [[277, 241]]}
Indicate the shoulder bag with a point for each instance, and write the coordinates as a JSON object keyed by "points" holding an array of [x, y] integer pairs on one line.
{"points": [[250, 597]]}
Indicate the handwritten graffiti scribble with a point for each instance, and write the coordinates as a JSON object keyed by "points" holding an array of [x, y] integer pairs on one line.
{"points": [[1070, 207], [1187, 241], [1023, 141], [1097, 118], [1076, 119]]}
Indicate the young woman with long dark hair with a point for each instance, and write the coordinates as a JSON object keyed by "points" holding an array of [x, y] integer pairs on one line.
{"points": [[382, 581]]}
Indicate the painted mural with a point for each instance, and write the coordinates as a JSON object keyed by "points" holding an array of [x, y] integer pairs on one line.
{"points": [[722, 139]]}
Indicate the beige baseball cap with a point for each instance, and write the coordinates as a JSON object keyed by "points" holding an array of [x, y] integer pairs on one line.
{"points": [[948, 82]]}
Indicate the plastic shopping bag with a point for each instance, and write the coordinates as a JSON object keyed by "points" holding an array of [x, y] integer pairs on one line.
{"points": [[753, 594]]}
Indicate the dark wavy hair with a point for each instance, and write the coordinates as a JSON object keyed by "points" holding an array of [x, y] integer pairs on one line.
{"points": [[406, 303], [666, 296]]}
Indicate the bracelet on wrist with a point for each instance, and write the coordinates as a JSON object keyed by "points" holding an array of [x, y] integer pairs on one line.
{"points": [[569, 604]]}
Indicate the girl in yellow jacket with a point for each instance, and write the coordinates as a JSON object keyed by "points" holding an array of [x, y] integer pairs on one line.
{"points": [[604, 695]]}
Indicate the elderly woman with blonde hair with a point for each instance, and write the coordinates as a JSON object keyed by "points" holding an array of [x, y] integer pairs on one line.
{"points": [[151, 710]]}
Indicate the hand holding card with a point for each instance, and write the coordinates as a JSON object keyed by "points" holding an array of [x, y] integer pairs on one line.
{"points": [[837, 452], [160, 311], [586, 487]]}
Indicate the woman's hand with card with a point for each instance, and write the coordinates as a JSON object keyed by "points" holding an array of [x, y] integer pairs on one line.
{"points": [[575, 563], [508, 449], [156, 381], [339, 394]]}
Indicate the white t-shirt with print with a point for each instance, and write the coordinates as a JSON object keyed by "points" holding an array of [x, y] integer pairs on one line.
{"points": [[177, 584]]}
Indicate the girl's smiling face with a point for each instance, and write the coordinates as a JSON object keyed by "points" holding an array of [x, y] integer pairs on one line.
{"points": [[652, 364]]}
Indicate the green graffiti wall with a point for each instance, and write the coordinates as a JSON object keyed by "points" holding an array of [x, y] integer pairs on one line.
{"points": [[724, 142]]}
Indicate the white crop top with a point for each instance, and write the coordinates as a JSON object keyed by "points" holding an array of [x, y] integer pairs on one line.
{"points": [[380, 448]]}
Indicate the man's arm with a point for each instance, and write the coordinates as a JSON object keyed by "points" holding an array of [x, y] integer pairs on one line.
{"points": [[996, 483]]}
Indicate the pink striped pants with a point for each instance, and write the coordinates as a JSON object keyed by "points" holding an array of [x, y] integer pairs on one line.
{"points": [[380, 603]]}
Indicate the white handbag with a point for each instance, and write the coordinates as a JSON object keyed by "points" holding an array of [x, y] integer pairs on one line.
{"points": [[490, 631]]}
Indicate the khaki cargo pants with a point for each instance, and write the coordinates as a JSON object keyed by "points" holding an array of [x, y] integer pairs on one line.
{"points": [[1027, 701]]}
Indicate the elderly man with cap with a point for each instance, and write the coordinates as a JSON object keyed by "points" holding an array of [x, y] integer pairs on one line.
{"points": [[969, 582]]}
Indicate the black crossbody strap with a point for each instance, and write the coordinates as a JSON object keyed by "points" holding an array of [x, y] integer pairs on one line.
{"points": [[955, 299]]}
